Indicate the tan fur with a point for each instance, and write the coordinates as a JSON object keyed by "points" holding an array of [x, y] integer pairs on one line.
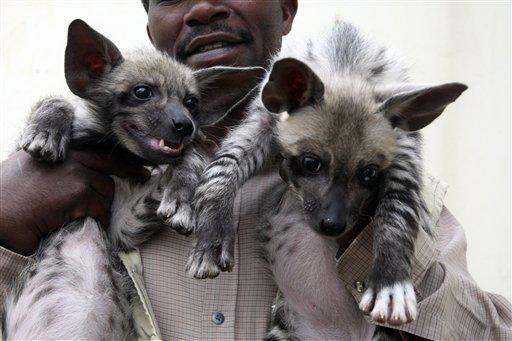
{"points": [[346, 126]]}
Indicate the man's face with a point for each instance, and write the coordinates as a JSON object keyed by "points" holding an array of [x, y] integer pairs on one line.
{"points": [[204, 33]]}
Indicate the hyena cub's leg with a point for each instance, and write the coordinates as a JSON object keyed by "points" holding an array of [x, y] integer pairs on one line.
{"points": [[134, 218], [72, 291], [397, 219], [241, 155], [47, 133], [179, 184]]}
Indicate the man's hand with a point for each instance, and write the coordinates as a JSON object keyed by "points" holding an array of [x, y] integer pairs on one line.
{"points": [[38, 198]]}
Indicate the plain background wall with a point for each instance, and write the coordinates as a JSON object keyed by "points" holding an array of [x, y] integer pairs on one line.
{"points": [[468, 147]]}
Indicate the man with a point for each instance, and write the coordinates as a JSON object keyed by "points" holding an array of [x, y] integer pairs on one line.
{"points": [[235, 305]]}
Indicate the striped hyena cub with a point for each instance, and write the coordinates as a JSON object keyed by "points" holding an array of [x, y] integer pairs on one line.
{"points": [[143, 105], [350, 154]]}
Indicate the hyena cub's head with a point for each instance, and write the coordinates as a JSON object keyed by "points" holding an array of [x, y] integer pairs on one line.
{"points": [[145, 101], [340, 137]]}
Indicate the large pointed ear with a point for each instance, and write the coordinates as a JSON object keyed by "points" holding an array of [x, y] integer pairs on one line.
{"points": [[412, 108], [89, 56], [224, 89], [291, 85]]}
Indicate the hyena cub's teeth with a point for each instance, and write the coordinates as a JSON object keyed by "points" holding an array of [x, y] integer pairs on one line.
{"points": [[45, 146], [178, 215], [395, 304]]}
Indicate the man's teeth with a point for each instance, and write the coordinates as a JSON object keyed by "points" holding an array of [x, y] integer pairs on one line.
{"points": [[209, 47]]}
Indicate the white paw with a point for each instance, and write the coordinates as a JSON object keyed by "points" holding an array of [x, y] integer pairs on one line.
{"points": [[167, 208], [183, 219], [178, 214], [395, 304]]}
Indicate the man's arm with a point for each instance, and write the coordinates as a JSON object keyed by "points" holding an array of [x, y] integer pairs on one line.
{"points": [[38, 198], [450, 303]]}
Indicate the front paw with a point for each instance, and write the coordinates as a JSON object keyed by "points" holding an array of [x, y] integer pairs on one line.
{"points": [[394, 304], [47, 145], [207, 260], [178, 215]]}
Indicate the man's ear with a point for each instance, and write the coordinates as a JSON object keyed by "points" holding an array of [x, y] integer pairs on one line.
{"points": [[224, 89], [289, 9], [89, 56], [291, 85], [414, 108]]}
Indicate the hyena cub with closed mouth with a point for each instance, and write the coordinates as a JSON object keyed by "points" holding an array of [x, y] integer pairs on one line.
{"points": [[144, 105], [350, 154]]}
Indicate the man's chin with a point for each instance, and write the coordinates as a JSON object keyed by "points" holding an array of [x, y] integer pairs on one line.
{"points": [[235, 55]]}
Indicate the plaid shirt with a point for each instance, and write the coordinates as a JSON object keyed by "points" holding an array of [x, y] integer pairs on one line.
{"points": [[237, 305]]}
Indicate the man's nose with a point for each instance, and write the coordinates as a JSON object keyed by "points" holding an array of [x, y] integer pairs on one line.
{"points": [[205, 12]]}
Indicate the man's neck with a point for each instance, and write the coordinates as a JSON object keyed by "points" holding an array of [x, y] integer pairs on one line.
{"points": [[218, 132]]}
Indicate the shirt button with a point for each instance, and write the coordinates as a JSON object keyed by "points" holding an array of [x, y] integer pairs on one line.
{"points": [[359, 286], [218, 318]]}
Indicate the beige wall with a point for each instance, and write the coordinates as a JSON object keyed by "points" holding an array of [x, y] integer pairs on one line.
{"points": [[468, 147]]}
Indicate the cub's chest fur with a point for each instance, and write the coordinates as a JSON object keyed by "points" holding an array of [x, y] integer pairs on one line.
{"points": [[304, 267]]}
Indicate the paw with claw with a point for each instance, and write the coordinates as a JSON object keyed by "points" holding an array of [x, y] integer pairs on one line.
{"points": [[394, 304], [47, 135], [47, 145], [212, 253], [177, 213]]}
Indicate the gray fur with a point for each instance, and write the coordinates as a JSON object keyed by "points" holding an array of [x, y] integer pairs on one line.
{"points": [[245, 151], [46, 135], [78, 289], [350, 107]]}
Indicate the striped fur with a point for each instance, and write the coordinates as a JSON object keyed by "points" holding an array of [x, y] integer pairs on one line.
{"points": [[245, 151], [353, 109], [77, 288]]}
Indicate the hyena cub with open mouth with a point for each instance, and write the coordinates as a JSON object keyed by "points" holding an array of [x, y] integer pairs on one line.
{"points": [[350, 154], [150, 108]]}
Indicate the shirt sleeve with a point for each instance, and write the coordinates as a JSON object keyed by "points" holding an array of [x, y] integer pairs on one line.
{"points": [[11, 265], [450, 303]]}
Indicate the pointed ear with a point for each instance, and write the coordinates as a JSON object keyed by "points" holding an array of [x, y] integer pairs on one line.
{"points": [[89, 56], [224, 89], [414, 109], [291, 85]]}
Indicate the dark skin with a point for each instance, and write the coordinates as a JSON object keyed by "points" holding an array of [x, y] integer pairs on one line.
{"points": [[37, 199]]}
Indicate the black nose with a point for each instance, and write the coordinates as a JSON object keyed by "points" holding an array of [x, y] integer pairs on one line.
{"points": [[183, 127], [330, 227]]}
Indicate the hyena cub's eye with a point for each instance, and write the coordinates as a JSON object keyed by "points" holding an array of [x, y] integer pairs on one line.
{"points": [[191, 102], [311, 164], [142, 92], [368, 176]]}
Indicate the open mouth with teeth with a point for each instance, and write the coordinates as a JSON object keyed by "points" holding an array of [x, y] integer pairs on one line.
{"points": [[214, 46], [155, 144], [217, 48]]}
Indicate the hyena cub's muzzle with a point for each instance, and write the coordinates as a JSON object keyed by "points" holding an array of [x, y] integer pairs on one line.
{"points": [[328, 215], [166, 139]]}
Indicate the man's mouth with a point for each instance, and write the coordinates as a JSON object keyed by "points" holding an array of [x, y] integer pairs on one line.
{"points": [[211, 41], [209, 47], [214, 49]]}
